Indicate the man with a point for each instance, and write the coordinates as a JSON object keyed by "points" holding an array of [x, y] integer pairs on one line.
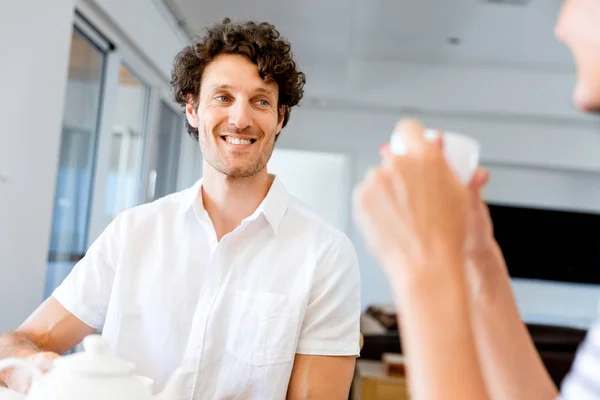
{"points": [[433, 237], [232, 278]]}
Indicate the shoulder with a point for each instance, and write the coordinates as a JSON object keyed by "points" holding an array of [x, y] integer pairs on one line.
{"points": [[162, 211], [330, 248], [327, 240]]}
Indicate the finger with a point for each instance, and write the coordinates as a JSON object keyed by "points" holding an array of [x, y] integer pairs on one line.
{"points": [[376, 190], [44, 365], [412, 135], [389, 159], [20, 381], [361, 192], [365, 198], [439, 139], [370, 175], [385, 151], [375, 204], [480, 179], [384, 148], [44, 361]]}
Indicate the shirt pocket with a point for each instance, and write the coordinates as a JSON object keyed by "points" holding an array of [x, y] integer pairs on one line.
{"points": [[263, 328]]}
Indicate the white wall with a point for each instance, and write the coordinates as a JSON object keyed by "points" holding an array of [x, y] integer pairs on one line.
{"points": [[35, 37], [559, 156], [146, 24], [320, 180]]}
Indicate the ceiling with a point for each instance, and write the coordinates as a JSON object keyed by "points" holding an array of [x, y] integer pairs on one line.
{"points": [[498, 33], [456, 57]]}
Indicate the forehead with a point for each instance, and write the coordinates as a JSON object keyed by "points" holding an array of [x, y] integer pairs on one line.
{"points": [[234, 72]]}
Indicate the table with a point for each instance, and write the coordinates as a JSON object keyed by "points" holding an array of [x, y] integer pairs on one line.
{"points": [[372, 383]]}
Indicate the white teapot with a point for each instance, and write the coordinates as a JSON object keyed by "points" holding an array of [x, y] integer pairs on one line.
{"points": [[93, 374]]}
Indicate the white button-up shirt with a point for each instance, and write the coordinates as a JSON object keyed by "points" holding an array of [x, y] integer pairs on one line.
{"points": [[582, 381], [166, 293]]}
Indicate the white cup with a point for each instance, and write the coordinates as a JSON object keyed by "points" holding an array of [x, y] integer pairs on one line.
{"points": [[461, 151]]}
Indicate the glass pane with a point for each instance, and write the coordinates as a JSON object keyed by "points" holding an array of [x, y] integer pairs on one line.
{"points": [[76, 163], [190, 163], [169, 144], [127, 145]]}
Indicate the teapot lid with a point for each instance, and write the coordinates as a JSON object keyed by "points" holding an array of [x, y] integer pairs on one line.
{"points": [[94, 360]]}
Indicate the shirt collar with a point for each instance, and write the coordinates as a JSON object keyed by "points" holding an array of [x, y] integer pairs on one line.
{"points": [[273, 206]]}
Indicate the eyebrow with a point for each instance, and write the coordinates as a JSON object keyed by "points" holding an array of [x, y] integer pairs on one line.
{"points": [[230, 87]]}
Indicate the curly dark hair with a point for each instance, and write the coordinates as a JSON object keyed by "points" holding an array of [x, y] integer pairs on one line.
{"points": [[261, 43]]}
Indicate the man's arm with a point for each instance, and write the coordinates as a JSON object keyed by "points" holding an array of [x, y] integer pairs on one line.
{"points": [[329, 339], [511, 365], [321, 377], [76, 308], [51, 330]]}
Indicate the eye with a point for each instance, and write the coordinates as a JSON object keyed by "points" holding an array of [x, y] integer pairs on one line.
{"points": [[222, 98], [264, 103]]}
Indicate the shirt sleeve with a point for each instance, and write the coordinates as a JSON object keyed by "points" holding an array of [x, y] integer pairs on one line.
{"points": [[85, 292], [331, 325], [583, 381]]}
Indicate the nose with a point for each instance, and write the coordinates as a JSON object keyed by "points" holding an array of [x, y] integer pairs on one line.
{"points": [[240, 115], [558, 30]]}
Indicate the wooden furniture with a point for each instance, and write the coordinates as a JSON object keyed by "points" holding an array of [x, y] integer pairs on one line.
{"points": [[393, 364], [372, 383]]}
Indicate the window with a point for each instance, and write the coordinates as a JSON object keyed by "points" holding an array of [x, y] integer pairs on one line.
{"points": [[118, 125], [128, 145], [163, 175], [77, 157]]}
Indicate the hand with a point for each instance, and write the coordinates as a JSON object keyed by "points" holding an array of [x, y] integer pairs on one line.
{"points": [[413, 206], [19, 379], [484, 259], [480, 236]]}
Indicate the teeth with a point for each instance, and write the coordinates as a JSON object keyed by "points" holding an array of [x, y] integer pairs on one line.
{"points": [[237, 140]]}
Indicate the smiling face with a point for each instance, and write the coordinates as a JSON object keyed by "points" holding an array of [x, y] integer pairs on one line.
{"points": [[237, 117]]}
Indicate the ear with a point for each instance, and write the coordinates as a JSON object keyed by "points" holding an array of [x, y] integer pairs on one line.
{"points": [[191, 111]]}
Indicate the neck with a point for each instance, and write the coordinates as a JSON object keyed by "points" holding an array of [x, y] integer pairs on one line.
{"points": [[229, 200]]}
